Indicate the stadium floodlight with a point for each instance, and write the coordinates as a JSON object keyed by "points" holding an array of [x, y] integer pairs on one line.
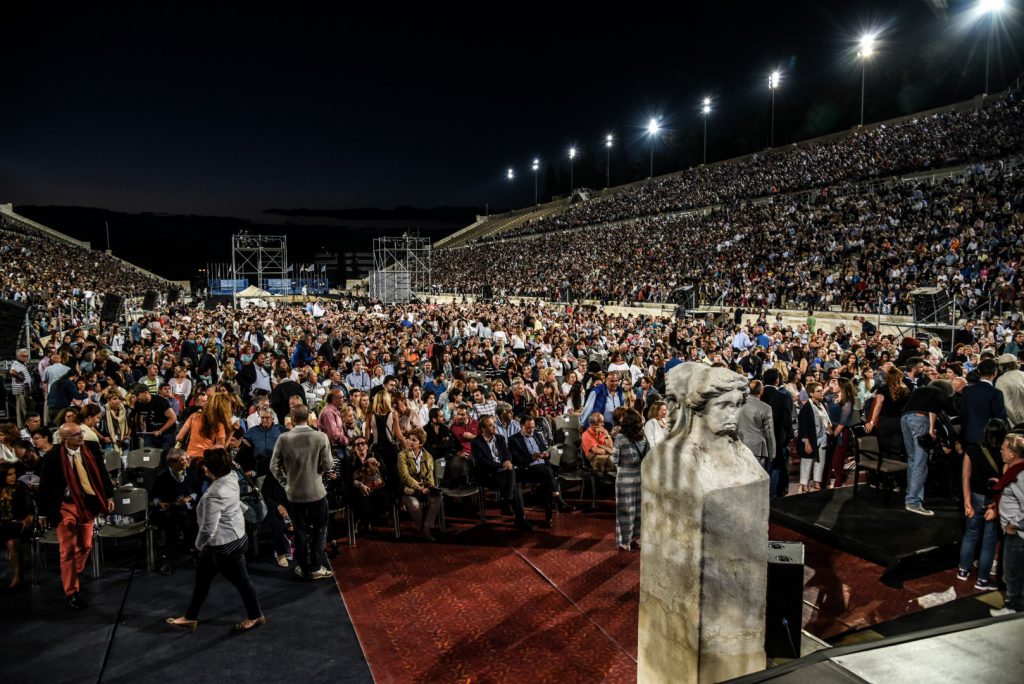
{"points": [[511, 176], [706, 109], [867, 49], [652, 132], [773, 84], [536, 167], [572, 180], [608, 139], [991, 8]]}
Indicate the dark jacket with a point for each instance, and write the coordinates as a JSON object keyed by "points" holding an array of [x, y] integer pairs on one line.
{"points": [[806, 430], [279, 397], [520, 454], [782, 416], [483, 461], [52, 483], [166, 489], [981, 403]]}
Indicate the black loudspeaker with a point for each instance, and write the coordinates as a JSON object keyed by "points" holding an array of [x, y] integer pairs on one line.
{"points": [[149, 301], [12, 327], [931, 305], [488, 293], [111, 307], [686, 297], [172, 296], [785, 609]]}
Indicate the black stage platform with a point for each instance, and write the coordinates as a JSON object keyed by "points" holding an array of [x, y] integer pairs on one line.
{"points": [[876, 529], [121, 636]]}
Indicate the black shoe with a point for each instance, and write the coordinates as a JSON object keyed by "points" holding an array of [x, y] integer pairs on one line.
{"points": [[75, 602], [506, 508], [546, 524], [523, 525], [563, 505]]}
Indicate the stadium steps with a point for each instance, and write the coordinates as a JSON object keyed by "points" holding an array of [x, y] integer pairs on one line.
{"points": [[482, 229]]}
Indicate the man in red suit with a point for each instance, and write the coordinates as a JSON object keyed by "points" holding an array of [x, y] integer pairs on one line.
{"points": [[74, 488]]}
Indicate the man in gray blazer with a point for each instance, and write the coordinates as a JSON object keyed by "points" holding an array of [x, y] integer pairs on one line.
{"points": [[754, 426], [301, 456]]}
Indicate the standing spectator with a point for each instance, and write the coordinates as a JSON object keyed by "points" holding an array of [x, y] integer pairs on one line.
{"points": [[153, 418], [920, 419], [1011, 384], [981, 467], [15, 517], [221, 543], [73, 489], [1009, 492], [300, 458], [755, 426], [210, 428], [781, 404], [886, 412], [840, 412], [630, 447], [21, 386], [982, 402], [812, 437]]}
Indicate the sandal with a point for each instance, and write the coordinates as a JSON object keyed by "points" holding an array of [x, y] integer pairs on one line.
{"points": [[240, 627], [187, 624]]}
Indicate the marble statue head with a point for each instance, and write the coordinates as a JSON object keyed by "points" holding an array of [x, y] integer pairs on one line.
{"points": [[703, 394]]}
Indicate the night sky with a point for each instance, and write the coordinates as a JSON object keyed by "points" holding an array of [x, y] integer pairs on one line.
{"points": [[219, 112]]}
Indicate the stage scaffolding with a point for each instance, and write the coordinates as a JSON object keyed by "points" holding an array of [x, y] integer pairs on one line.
{"points": [[260, 259], [401, 266]]}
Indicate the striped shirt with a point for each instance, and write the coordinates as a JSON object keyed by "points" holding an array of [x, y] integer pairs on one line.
{"points": [[21, 381]]}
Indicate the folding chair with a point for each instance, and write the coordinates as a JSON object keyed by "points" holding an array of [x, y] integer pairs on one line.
{"points": [[460, 492], [573, 470], [114, 464], [141, 466], [868, 457], [129, 502]]}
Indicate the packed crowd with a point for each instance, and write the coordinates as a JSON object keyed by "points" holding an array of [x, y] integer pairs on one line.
{"points": [[382, 393], [862, 253], [919, 144]]}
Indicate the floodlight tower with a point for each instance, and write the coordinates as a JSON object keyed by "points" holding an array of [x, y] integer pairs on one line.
{"points": [[536, 166], [511, 176], [867, 49], [773, 83], [991, 8], [572, 183], [652, 133], [706, 109], [608, 139]]}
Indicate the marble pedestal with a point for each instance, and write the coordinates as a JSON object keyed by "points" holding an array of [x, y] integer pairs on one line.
{"points": [[703, 572]]}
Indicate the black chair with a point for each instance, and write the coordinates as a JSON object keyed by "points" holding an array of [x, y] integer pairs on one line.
{"points": [[462, 490], [141, 466], [572, 469], [114, 465], [884, 472], [339, 496], [121, 523]]}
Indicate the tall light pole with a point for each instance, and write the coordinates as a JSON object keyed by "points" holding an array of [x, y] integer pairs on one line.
{"points": [[991, 8], [773, 83], [608, 139], [536, 165], [511, 176], [572, 183], [706, 109], [867, 48], [652, 132]]}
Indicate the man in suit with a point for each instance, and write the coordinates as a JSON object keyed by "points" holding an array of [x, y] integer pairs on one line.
{"points": [[530, 456], [982, 402], [755, 426], [74, 487], [286, 388], [494, 468], [781, 405]]}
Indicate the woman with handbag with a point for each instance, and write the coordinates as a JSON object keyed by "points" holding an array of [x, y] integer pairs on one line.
{"points": [[222, 543], [419, 493], [368, 494]]}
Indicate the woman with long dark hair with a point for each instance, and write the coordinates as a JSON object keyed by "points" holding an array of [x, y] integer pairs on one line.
{"points": [[841, 413], [630, 447], [886, 410]]}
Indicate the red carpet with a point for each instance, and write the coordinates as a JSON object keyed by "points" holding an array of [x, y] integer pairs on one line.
{"points": [[495, 605]]}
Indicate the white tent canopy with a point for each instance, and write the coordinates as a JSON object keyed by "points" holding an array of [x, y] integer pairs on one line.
{"points": [[253, 292]]}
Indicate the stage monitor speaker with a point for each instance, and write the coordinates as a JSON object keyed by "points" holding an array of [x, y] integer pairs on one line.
{"points": [[785, 609], [931, 305], [111, 307], [149, 301], [12, 327]]}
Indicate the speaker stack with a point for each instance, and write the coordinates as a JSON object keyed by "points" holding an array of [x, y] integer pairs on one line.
{"points": [[149, 301], [173, 295], [488, 293], [784, 611], [931, 305], [12, 327], [111, 307]]}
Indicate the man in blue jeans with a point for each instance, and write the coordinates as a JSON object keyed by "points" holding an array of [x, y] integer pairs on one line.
{"points": [[920, 415], [301, 457]]}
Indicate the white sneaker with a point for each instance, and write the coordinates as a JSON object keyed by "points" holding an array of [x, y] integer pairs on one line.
{"points": [[323, 573], [1000, 612], [282, 561], [919, 509]]}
